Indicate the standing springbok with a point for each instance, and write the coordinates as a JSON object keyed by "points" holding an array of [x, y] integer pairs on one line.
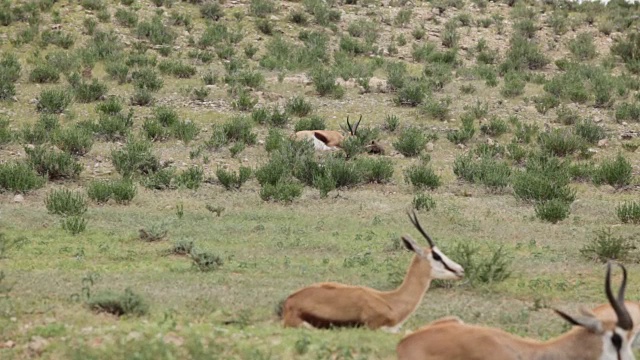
{"points": [[329, 304], [327, 139], [590, 339]]}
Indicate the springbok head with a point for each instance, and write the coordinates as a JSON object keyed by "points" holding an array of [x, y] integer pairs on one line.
{"points": [[616, 337], [441, 266], [352, 129]]}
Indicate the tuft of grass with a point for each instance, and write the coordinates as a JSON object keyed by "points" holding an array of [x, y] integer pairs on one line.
{"points": [[74, 224], [74, 140], [299, 106], [66, 203], [206, 261], [52, 164], [135, 157], [281, 191], [232, 180], [495, 127], [156, 232], [616, 172], [19, 177], [605, 246], [411, 142], [53, 101], [629, 212], [191, 178], [423, 201], [311, 123], [482, 267], [118, 304], [552, 211], [182, 247], [422, 176]]}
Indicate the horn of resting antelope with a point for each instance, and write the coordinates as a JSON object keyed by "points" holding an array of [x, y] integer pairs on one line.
{"points": [[327, 139], [590, 339], [328, 304]]}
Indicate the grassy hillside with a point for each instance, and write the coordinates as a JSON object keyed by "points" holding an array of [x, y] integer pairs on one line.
{"points": [[152, 205]]}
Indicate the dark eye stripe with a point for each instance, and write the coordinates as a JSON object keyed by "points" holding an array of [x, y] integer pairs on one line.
{"points": [[437, 257]]}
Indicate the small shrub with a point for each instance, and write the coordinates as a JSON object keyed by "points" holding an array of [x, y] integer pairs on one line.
{"points": [[513, 85], [74, 224], [74, 140], [310, 123], [211, 10], [345, 173], [161, 179], [495, 127], [411, 142], [182, 248], [489, 172], [375, 170], [411, 94], [629, 212], [206, 261], [423, 201], [85, 92], [561, 142], [299, 106], [616, 172], [537, 186], [232, 180], [422, 176], [128, 303], [482, 267], [54, 165], [566, 116], [605, 246], [437, 109], [185, 131], [191, 178], [391, 123], [66, 203], [19, 177], [590, 131], [156, 232], [262, 8], [281, 191], [582, 47], [99, 191], [44, 73], [461, 136], [324, 80], [135, 157], [123, 190], [6, 135], [53, 101], [147, 79], [552, 211]]}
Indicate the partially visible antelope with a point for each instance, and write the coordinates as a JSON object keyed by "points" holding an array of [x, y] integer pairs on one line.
{"points": [[328, 304], [590, 339], [327, 139]]}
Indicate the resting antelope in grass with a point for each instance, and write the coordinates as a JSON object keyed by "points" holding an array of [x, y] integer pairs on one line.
{"points": [[329, 304], [591, 338], [327, 139]]}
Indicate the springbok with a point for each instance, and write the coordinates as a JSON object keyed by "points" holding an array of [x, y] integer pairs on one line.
{"points": [[328, 304], [591, 338], [327, 139]]}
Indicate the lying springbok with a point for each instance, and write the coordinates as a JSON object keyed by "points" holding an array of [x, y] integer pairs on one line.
{"points": [[327, 139], [328, 304], [590, 339]]}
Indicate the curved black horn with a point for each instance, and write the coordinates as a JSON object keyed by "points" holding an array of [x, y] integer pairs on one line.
{"points": [[624, 319], [349, 126], [414, 220], [355, 128]]}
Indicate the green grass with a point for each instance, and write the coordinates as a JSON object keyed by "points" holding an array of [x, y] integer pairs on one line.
{"points": [[166, 93]]}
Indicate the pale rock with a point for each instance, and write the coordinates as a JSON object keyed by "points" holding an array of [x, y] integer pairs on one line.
{"points": [[461, 146], [9, 344], [624, 123], [430, 146], [490, 142], [173, 339], [18, 198], [37, 345], [30, 146], [603, 143], [134, 335]]}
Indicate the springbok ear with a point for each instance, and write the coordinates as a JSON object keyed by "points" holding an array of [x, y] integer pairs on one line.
{"points": [[412, 245], [588, 322]]}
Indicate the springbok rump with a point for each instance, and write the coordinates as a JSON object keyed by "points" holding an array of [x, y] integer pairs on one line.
{"points": [[328, 304], [591, 338], [327, 139]]}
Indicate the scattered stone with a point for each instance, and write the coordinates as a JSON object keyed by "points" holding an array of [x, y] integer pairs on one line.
{"points": [[490, 142], [461, 146], [430, 146], [9, 344], [134, 335], [37, 345], [18, 198], [173, 339], [603, 143]]}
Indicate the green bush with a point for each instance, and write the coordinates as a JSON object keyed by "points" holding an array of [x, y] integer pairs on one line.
{"points": [[123, 191], [53, 101], [6, 135], [185, 131], [74, 224], [206, 261], [626, 111], [489, 172], [299, 106], [19, 177], [582, 47], [324, 80], [54, 165], [567, 116], [590, 131], [99, 191], [262, 8], [161, 179], [422, 176], [156, 32], [74, 140], [629, 212], [135, 157], [410, 142], [495, 127], [461, 136], [127, 303], [44, 73], [66, 203], [147, 79], [86, 92], [211, 10], [485, 267], [552, 211], [561, 142], [345, 173], [191, 178], [114, 127], [391, 123], [605, 246], [126, 18], [541, 187], [375, 170], [411, 94], [423, 201], [311, 123], [616, 172], [233, 180], [281, 191], [43, 130], [182, 247]]}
